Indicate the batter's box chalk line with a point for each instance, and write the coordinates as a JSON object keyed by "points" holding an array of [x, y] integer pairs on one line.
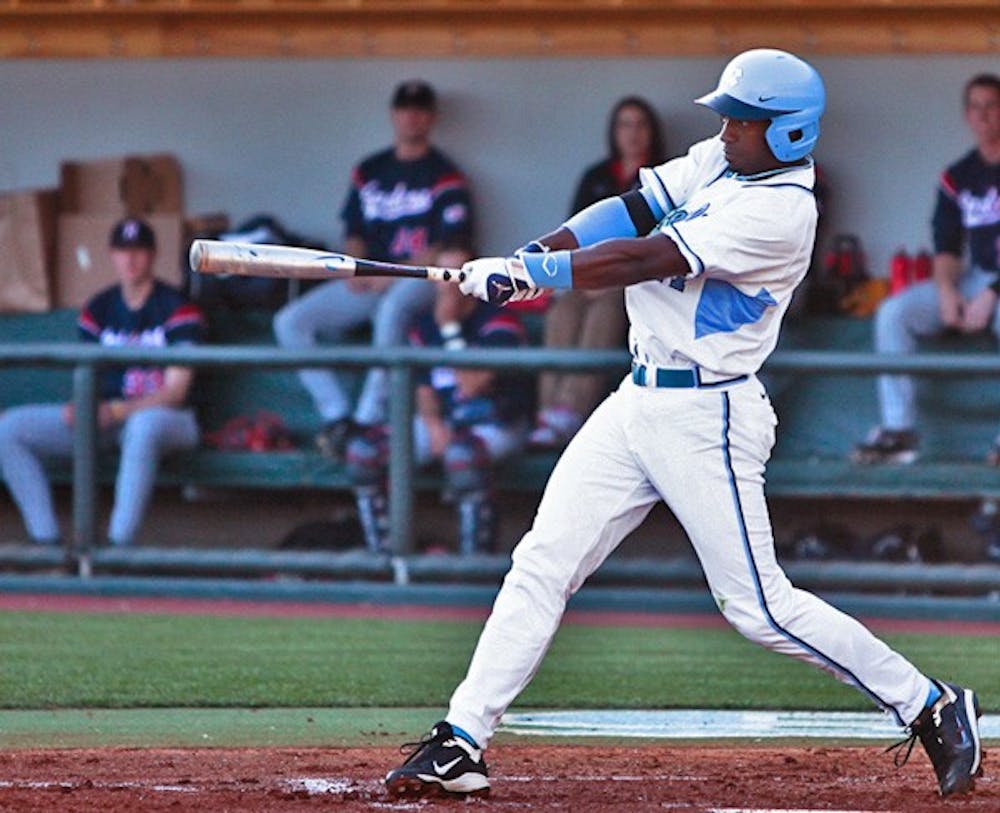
{"points": [[706, 724]]}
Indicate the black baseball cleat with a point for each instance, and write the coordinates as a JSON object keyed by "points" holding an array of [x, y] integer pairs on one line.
{"points": [[333, 438], [887, 446], [441, 763], [949, 732]]}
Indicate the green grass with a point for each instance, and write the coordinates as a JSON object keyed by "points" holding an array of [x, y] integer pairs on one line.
{"points": [[209, 728], [108, 661]]}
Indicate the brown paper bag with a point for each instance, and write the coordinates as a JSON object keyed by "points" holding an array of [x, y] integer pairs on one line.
{"points": [[27, 250]]}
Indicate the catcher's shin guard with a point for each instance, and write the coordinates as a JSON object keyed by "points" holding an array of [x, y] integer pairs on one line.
{"points": [[476, 523], [373, 513]]}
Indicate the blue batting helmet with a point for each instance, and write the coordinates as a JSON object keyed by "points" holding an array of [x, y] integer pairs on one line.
{"points": [[769, 84]]}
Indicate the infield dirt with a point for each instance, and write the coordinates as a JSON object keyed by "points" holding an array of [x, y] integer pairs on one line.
{"points": [[571, 778]]}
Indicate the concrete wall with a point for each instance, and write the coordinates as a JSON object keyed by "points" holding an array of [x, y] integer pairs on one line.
{"points": [[281, 136]]}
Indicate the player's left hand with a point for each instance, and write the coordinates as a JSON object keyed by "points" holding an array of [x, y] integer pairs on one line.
{"points": [[498, 280]]}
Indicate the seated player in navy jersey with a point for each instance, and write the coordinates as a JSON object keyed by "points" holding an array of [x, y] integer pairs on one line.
{"points": [[963, 295], [144, 410], [407, 203], [468, 420]]}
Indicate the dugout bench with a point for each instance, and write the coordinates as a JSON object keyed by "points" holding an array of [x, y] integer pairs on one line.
{"points": [[820, 380]]}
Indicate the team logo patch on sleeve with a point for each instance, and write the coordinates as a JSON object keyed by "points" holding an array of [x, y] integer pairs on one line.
{"points": [[678, 215]]}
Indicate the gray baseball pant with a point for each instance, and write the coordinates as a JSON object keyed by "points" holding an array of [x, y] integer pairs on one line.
{"points": [[31, 433], [328, 313], [581, 319], [900, 321]]}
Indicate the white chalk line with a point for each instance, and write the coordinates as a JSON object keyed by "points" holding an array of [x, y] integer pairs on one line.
{"points": [[85, 784], [322, 786], [711, 724]]}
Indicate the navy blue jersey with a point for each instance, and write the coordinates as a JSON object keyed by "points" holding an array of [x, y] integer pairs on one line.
{"points": [[967, 214], [166, 318], [399, 208], [487, 326], [602, 180]]}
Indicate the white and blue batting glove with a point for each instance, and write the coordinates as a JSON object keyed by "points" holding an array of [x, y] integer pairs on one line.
{"points": [[534, 247], [499, 280]]}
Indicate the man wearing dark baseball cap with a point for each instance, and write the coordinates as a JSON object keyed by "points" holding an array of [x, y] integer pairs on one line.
{"points": [[408, 203], [142, 409], [133, 233], [415, 93]]}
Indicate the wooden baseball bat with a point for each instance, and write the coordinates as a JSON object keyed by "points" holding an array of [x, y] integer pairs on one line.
{"points": [[262, 260]]}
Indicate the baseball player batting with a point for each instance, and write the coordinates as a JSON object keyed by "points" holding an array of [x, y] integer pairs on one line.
{"points": [[709, 250]]}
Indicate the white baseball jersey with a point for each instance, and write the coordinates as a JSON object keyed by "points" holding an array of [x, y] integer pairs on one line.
{"points": [[748, 241]]}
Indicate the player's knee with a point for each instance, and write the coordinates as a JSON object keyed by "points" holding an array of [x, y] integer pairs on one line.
{"points": [[396, 309], [467, 465], [8, 431], [540, 585], [747, 618], [143, 426], [389, 327], [288, 328], [890, 319], [367, 456], [14, 422]]}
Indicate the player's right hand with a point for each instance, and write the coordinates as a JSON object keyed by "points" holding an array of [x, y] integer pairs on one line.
{"points": [[978, 312], [951, 306], [498, 280]]}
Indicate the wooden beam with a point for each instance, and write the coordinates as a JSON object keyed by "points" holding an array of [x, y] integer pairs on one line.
{"points": [[502, 28]]}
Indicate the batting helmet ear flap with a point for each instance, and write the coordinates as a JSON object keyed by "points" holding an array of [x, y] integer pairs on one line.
{"points": [[769, 84], [793, 136]]}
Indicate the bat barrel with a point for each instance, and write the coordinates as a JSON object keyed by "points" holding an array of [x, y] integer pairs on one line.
{"points": [[196, 256], [261, 260], [218, 257]]}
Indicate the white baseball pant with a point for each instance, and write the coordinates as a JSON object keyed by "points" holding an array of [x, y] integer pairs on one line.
{"points": [[703, 452]]}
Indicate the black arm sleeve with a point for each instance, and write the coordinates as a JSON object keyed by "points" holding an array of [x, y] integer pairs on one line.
{"points": [[639, 211]]}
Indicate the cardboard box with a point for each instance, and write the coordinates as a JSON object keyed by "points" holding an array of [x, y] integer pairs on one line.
{"points": [[84, 266], [27, 249], [125, 185], [209, 224]]}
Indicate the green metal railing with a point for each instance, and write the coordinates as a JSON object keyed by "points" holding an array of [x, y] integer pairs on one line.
{"points": [[86, 360]]}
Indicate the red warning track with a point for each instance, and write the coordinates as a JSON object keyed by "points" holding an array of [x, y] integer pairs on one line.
{"points": [[35, 602]]}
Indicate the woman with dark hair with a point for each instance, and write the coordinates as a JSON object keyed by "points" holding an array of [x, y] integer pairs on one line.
{"points": [[635, 140], [594, 319]]}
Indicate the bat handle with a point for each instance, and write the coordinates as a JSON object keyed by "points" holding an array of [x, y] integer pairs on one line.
{"points": [[455, 275]]}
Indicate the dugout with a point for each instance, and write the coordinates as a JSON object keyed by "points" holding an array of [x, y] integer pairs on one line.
{"points": [[97, 81]]}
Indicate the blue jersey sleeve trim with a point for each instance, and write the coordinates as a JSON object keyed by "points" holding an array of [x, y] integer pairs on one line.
{"points": [[553, 269], [648, 192], [603, 220]]}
